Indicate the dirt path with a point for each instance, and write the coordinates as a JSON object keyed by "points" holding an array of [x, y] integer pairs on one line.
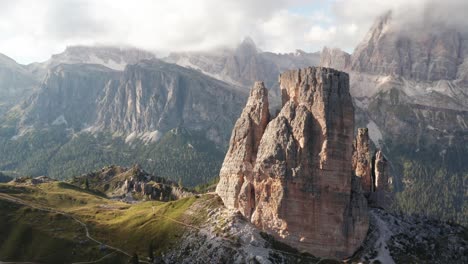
{"points": [[22, 202]]}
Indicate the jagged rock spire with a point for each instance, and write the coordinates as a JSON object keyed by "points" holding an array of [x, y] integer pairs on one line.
{"points": [[372, 172], [380, 196], [362, 162], [248, 130], [291, 176]]}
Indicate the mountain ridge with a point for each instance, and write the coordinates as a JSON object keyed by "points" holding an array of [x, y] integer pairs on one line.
{"points": [[410, 92]]}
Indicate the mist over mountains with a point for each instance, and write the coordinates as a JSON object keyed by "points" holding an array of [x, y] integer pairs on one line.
{"points": [[214, 148], [408, 90]]}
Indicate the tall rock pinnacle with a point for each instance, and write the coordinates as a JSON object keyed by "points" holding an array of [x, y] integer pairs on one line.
{"points": [[292, 176], [381, 195], [362, 163], [239, 161], [372, 173]]}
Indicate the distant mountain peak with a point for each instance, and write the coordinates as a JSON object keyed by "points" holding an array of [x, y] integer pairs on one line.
{"points": [[247, 47], [113, 57], [248, 41], [411, 49]]}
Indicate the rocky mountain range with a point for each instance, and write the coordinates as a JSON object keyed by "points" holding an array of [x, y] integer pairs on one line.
{"points": [[295, 187], [245, 64], [115, 58], [410, 91], [18, 82], [80, 102], [154, 96], [147, 99]]}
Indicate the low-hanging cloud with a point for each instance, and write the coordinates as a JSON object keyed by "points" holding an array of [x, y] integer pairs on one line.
{"points": [[33, 30]]}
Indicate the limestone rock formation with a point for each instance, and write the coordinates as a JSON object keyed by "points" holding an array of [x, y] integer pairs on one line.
{"points": [[296, 182], [145, 100], [67, 96], [15, 83], [381, 177], [131, 183], [362, 162], [373, 173], [240, 158], [155, 96], [380, 195]]}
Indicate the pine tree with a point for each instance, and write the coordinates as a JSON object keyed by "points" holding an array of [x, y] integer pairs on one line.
{"points": [[86, 183]]}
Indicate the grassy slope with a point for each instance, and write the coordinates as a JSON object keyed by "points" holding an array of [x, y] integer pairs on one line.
{"points": [[33, 234]]}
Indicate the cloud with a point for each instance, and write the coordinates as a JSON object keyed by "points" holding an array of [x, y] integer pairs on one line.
{"points": [[66, 19], [33, 30]]}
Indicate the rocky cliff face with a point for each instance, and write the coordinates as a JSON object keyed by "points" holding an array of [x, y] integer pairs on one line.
{"points": [[68, 96], [421, 52], [299, 172], [146, 100], [155, 96], [16, 83]]}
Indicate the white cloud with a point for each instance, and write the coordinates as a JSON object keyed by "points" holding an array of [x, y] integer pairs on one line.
{"points": [[31, 30], [317, 33]]}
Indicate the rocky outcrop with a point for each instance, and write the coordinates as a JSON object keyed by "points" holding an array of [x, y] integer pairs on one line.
{"points": [[362, 162], [381, 193], [131, 184], [297, 184], [31, 180], [380, 171], [400, 238], [240, 159], [373, 173], [226, 237]]}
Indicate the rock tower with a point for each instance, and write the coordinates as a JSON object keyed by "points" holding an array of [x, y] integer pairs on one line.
{"points": [[292, 176]]}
